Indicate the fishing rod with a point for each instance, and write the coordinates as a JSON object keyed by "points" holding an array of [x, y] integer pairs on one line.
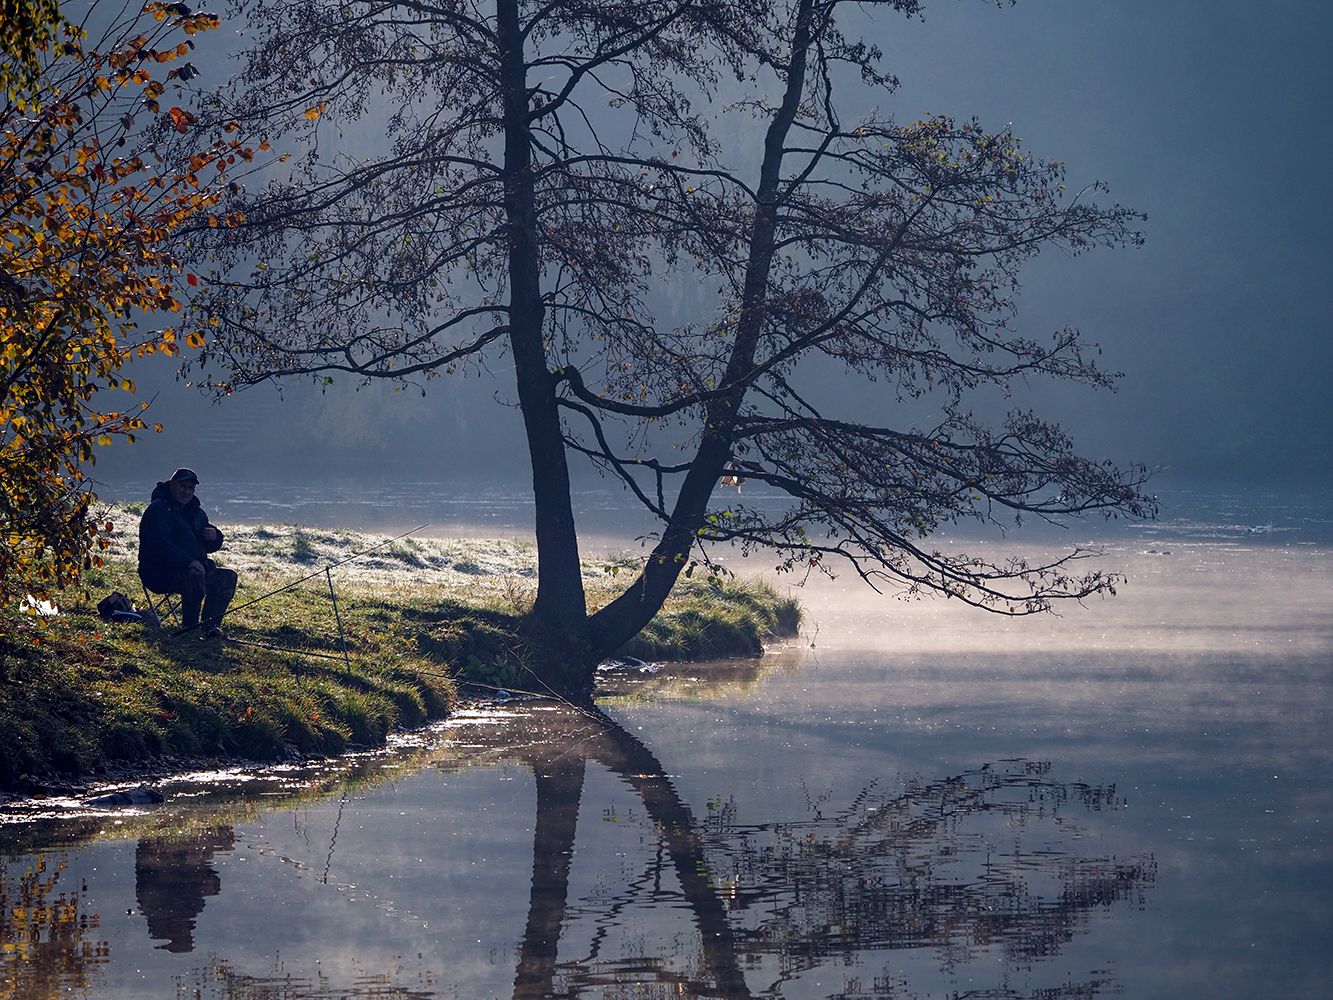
{"points": [[311, 576], [293, 650], [552, 693]]}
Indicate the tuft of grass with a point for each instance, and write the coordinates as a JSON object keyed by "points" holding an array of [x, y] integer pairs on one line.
{"points": [[303, 548], [716, 620], [481, 644]]}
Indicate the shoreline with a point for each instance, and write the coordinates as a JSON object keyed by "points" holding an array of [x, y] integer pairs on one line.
{"points": [[70, 798]]}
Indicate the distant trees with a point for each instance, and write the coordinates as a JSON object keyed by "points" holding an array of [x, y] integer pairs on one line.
{"points": [[545, 167], [91, 188]]}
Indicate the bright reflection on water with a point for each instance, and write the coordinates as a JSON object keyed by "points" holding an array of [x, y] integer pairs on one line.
{"points": [[1130, 800]]}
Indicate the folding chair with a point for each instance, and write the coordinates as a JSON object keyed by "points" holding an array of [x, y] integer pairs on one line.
{"points": [[157, 606]]}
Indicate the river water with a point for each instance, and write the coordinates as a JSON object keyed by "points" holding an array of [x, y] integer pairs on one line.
{"points": [[913, 800]]}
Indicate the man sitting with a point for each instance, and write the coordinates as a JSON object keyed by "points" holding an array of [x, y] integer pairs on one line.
{"points": [[174, 541]]}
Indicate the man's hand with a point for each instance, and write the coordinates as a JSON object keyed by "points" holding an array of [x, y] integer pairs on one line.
{"points": [[210, 534]]}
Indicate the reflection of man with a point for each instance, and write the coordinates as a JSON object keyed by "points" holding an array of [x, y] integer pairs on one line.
{"points": [[174, 541], [171, 878]]}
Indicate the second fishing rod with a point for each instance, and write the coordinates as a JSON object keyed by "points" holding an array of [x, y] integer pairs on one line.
{"points": [[310, 576]]}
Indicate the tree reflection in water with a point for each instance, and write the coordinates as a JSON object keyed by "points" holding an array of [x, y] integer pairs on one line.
{"points": [[920, 877], [943, 865], [558, 753], [939, 865], [50, 944], [219, 979]]}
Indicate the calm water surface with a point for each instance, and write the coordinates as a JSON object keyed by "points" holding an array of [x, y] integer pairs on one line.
{"points": [[1132, 800]]}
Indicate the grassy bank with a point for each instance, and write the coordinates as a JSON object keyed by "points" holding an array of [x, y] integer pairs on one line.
{"points": [[80, 698]]}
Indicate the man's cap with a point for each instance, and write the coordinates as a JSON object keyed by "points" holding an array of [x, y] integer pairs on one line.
{"points": [[185, 475]]}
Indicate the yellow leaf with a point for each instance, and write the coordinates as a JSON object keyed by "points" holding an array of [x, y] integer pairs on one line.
{"points": [[312, 114]]}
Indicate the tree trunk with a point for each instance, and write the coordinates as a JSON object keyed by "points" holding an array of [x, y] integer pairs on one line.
{"points": [[622, 619], [560, 603]]}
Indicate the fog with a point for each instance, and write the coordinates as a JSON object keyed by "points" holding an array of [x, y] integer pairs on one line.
{"points": [[1204, 116]]}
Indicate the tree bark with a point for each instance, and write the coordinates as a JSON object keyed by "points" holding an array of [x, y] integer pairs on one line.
{"points": [[560, 604]]}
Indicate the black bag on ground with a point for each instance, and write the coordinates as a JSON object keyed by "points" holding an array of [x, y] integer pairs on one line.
{"points": [[116, 607]]}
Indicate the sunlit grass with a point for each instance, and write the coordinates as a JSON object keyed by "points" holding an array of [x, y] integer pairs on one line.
{"points": [[296, 679], [708, 621], [78, 695]]}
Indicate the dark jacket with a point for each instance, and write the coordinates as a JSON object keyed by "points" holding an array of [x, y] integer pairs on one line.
{"points": [[170, 538]]}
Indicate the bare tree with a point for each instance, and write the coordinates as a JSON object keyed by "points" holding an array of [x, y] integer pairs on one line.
{"points": [[547, 165]]}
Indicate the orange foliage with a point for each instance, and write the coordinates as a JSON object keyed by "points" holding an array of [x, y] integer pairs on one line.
{"points": [[90, 192]]}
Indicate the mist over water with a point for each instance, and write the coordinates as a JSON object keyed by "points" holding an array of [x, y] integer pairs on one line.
{"points": [[609, 515], [915, 799]]}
